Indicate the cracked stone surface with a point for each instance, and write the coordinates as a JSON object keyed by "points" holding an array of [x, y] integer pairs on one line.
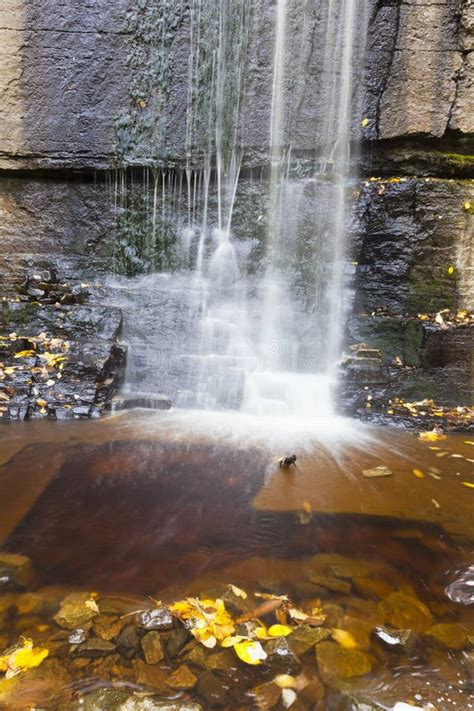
{"points": [[65, 78]]}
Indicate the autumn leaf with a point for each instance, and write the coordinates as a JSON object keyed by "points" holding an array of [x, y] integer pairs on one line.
{"points": [[21, 658], [364, 122], [24, 354], [345, 639], [238, 592], [469, 484], [432, 436], [250, 652], [418, 473], [279, 631], [285, 681]]}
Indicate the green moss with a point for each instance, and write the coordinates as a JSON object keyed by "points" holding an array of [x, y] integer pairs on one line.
{"points": [[432, 289], [412, 343], [459, 159]]}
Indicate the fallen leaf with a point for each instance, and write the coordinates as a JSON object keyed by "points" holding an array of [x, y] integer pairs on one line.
{"points": [[41, 403], [24, 354], [432, 436], [450, 270], [436, 504], [469, 484], [418, 473], [377, 472], [364, 122], [250, 652], [285, 681], [344, 638], [21, 658], [92, 605], [279, 631], [288, 697], [238, 592]]}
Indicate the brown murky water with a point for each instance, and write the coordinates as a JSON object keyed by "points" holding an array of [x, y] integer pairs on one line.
{"points": [[122, 509]]}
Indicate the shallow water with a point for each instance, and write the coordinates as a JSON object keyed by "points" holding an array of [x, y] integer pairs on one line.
{"points": [[173, 504]]}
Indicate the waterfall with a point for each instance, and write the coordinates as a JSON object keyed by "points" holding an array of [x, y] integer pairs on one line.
{"points": [[234, 331]]}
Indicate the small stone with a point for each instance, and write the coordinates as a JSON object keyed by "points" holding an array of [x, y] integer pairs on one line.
{"points": [[377, 472], [80, 663], [78, 636], [304, 638], [15, 571], [211, 688], [404, 611], [176, 641], [395, 639], [333, 614], [152, 649], [159, 619], [108, 626], [281, 657], [182, 678], [372, 587], [331, 583], [95, 647], [336, 662], [310, 697], [75, 612], [266, 696], [451, 635], [128, 640], [150, 675]]}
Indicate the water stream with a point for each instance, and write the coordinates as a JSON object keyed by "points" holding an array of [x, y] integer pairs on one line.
{"points": [[256, 319]]}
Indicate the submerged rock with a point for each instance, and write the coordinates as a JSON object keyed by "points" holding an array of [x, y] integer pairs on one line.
{"points": [[359, 629], [304, 638], [122, 700], [331, 583], [395, 639], [336, 662], [76, 610], [15, 571], [95, 647], [212, 689], [406, 612], [266, 696], [182, 678], [452, 635], [281, 657], [157, 619], [152, 649]]}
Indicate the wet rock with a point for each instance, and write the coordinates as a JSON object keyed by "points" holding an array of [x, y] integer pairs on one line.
{"points": [[152, 649], [310, 697], [149, 401], [359, 629], [43, 602], [157, 619], [176, 641], [128, 642], [395, 639], [372, 587], [109, 699], [336, 662], [304, 638], [266, 696], [377, 472], [15, 571], [406, 612], [350, 569], [182, 678], [76, 610], [150, 675], [281, 657], [212, 689], [462, 589], [108, 626], [331, 583], [333, 614], [95, 647], [79, 636], [451, 635], [234, 603]]}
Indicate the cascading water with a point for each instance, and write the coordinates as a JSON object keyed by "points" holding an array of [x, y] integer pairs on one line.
{"points": [[246, 324]]}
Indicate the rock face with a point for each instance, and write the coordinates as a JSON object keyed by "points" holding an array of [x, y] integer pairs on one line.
{"points": [[94, 86]]}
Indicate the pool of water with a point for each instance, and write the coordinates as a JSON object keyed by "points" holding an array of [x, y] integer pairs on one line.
{"points": [[169, 505]]}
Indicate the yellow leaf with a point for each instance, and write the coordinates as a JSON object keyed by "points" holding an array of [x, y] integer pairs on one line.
{"points": [[92, 605], [467, 205], [22, 658], [297, 615], [364, 122], [9, 371], [423, 317], [450, 270], [436, 504], [231, 641], [306, 506], [469, 484], [41, 403], [345, 639], [279, 631], [238, 591], [431, 436], [468, 441], [250, 652], [285, 681], [418, 473], [24, 354], [261, 633]]}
